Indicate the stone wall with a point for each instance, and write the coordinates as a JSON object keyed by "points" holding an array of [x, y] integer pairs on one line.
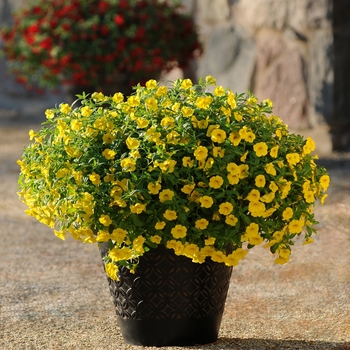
{"points": [[295, 52], [285, 50]]}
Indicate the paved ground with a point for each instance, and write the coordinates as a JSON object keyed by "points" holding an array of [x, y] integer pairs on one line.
{"points": [[54, 295]]}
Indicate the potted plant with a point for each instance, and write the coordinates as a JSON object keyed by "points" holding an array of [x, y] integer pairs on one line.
{"points": [[96, 44], [172, 173]]}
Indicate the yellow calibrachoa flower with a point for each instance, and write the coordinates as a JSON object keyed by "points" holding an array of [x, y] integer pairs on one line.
{"points": [[218, 135], [128, 164], [137, 208], [201, 153], [180, 166], [166, 195], [179, 231], [109, 154], [206, 201], [170, 214], [188, 188], [105, 220], [201, 224], [65, 108], [160, 225], [260, 181], [154, 188], [287, 213], [216, 181], [274, 152], [225, 208], [260, 149]]}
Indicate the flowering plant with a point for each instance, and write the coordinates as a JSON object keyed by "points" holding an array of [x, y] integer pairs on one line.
{"points": [[88, 42], [193, 170]]}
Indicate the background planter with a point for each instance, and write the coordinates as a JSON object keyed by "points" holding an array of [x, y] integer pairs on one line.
{"points": [[170, 300]]}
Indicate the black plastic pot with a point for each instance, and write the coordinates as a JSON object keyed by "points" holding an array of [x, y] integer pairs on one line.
{"points": [[170, 301]]}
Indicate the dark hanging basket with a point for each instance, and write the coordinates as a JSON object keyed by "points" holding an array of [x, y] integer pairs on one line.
{"points": [[170, 301]]}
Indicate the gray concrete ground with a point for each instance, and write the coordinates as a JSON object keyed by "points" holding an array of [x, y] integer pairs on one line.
{"points": [[54, 295]]}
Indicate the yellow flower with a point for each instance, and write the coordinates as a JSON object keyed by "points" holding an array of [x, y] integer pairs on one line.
{"points": [[187, 111], [170, 214], [111, 271], [273, 187], [219, 91], [49, 113], [210, 241], [206, 201], [250, 137], [187, 189], [210, 80], [118, 235], [138, 244], [218, 152], [309, 196], [187, 162], [253, 196], [108, 138], [201, 153], [270, 169], [86, 111], [151, 84], [256, 209], [260, 181], [190, 250], [167, 122], [105, 220], [142, 122], [186, 84], [118, 97], [156, 239], [244, 157], [65, 108], [268, 197], [132, 143], [287, 213], [160, 225], [233, 179], [293, 158], [179, 231], [309, 145], [232, 102], [231, 220], [137, 208], [295, 226], [161, 91], [133, 101], [308, 241], [154, 188], [324, 182], [151, 104], [225, 208], [128, 164], [274, 152], [238, 116], [218, 135], [216, 181], [218, 256], [260, 149], [60, 234], [211, 128], [109, 154], [203, 102], [235, 138], [166, 195], [95, 178]]}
